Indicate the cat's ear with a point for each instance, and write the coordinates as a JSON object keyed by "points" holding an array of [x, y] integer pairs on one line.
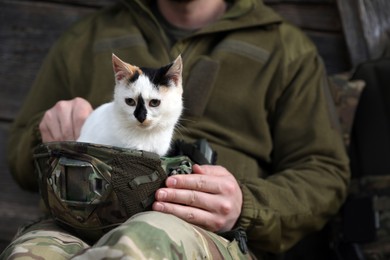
{"points": [[175, 71], [122, 70]]}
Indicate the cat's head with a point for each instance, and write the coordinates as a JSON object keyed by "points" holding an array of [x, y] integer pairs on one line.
{"points": [[148, 98]]}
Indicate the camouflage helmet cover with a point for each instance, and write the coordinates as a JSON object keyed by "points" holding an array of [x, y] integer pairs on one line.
{"points": [[93, 188]]}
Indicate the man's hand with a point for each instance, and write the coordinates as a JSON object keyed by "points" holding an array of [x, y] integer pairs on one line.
{"points": [[64, 120], [210, 198]]}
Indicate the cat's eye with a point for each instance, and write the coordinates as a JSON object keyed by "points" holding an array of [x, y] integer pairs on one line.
{"points": [[131, 102], [154, 102]]}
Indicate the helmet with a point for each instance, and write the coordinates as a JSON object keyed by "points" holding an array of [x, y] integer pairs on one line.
{"points": [[92, 188]]}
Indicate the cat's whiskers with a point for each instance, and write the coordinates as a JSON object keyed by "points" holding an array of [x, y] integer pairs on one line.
{"points": [[179, 129], [187, 120]]}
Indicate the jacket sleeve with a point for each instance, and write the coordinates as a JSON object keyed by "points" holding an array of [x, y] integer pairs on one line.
{"points": [[310, 170], [49, 87]]}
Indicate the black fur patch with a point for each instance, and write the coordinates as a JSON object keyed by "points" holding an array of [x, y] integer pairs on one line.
{"points": [[140, 111], [158, 76], [134, 77]]}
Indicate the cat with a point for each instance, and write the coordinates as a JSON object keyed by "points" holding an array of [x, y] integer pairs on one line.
{"points": [[146, 107]]}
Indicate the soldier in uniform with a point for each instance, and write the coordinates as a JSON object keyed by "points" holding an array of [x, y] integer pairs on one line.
{"points": [[254, 87]]}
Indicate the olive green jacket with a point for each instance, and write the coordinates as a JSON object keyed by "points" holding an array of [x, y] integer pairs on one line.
{"points": [[254, 86]]}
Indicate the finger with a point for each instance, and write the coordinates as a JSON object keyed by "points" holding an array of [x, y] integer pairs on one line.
{"points": [[191, 215], [64, 112], [77, 124], [215, 170], [209, 202], [81, 110], [45, 131], [198, 182], [188, 197], [49, 127], [196, 168]]}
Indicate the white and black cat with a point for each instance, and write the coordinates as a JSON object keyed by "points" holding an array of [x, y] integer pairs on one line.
{"points": [[146, 107]]}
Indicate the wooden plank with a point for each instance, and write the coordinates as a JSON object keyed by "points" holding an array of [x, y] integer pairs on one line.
{"points": [[85, 3], [17, 207], [299, 1], [13, 216], [366, 26], [353, 31], [322, 17], [375, 20], [25, 42], [92, 3], [333, 50]]}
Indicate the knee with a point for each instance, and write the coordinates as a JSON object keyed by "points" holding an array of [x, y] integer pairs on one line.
{"points": [[155, 235], [149, 225], [44, 245], [156, 219]]}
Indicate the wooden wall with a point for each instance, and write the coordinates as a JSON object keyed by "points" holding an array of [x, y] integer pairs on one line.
{"points": [[320, 20], [27, 30], [367, 28]]}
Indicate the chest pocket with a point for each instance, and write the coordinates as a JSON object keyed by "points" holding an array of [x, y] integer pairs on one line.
{"points": [[199, 85]]}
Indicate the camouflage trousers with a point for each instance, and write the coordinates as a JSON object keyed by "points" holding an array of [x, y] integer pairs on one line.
{"points": [[148, 235]]}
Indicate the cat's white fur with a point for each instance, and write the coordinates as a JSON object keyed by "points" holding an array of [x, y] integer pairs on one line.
{"points": [[115, 124]]}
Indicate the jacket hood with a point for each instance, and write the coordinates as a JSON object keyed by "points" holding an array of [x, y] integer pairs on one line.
{"points": [[241, 14]]}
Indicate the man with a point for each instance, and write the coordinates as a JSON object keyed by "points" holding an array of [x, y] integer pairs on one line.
{"points": [[254, 87]]}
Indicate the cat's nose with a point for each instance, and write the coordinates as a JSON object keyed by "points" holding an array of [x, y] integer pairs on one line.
{"points": [[140, 111], [140, 117]]}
